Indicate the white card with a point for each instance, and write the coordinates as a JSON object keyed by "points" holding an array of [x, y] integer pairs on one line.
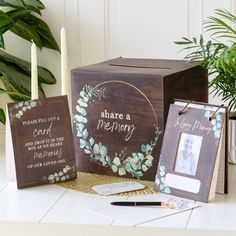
{"points": [[119, 187], [132, 216]]}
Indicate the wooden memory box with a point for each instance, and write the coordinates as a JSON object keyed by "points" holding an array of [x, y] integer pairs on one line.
{"points": [[120, 108]]}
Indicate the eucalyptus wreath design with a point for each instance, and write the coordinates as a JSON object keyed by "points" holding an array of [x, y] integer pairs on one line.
{"points": [[215, 121], [21, 107], [135, 164]]}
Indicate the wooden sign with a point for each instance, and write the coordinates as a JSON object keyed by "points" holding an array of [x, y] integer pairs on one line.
{"points": [[193, 160], [110, 137], [42, 141]]}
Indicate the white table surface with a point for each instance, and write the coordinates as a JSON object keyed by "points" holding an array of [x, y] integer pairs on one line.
{"points": [[54, 204]]}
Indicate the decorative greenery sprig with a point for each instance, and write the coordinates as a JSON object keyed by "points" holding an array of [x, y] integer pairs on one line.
{"points": [[216, 56], [21, 18]]}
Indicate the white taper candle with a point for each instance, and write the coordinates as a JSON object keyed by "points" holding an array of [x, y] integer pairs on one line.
{"points": [[64, 64], [34, 72]]}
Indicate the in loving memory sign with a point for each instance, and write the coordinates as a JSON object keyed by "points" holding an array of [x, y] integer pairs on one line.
{"points": [[42, 143]]}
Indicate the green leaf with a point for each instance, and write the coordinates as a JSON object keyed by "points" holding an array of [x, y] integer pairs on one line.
{"points": [[24, 30], [12, 3], [43, 31], [17, 79], [16, 14], [2, 45], [2, 116], [5, 22], [34, 5], [19, 96], [45, 76]]}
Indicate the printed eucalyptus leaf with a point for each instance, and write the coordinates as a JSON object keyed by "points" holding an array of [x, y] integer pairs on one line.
{"points": [[134, 155], [217, 134], [139, 166], [122, 171], [63, 178], [86, 99], [80, 126], [162, 173], [148, 163], [114, 168], [81, 110], [143, 148], [91, 140], [218, 125], [96, 149], [79, 134], [207, 114], [167, 190], [81, 119], [218, 117], [162, 168], [82, 93], [140, 156], [162, 187], [82, 103], [144, 168], [213, 121], [103, 161], [134, 160], [85, 133], [82, 143], [134, 166], [87, 145], [128, 167], [150, 157], [148, 148], [116, 161], [76, 117], [138, 174], [108, 159], [103, 150]]}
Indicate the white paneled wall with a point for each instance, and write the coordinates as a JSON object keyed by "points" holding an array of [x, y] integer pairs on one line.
{"points": [[103, 29]]}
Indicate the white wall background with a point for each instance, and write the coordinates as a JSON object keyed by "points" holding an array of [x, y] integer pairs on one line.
{"points": [[101, 29]]}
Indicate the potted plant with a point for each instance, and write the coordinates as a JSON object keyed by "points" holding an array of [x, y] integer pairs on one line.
{"points": [[217, 55], [21, 18]]}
